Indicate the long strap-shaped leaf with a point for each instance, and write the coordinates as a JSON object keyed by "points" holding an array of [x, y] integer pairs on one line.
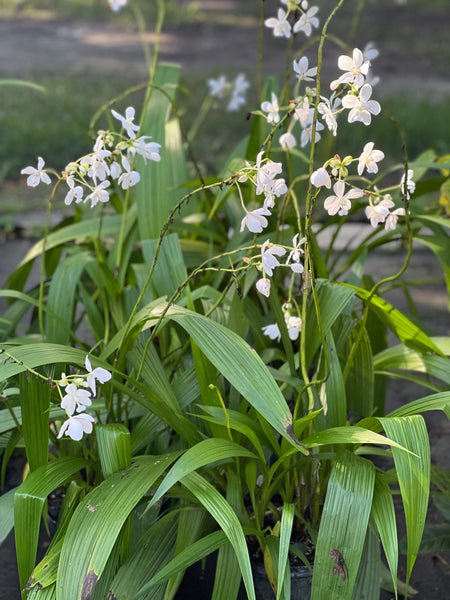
{"points": [[343, 528], [97, 522], [203, 453], [413, 472], [222, 512], [243, 368], [28, 504], [383, 513]]}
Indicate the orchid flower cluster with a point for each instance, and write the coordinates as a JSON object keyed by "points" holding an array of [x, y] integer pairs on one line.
{"points": [[94, 170], [305, 19], [233, 91], [351, 91], [77, 398], [267, 261]]}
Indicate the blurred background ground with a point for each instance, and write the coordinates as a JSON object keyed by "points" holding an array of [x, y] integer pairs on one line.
{"points": [[84, 55]]}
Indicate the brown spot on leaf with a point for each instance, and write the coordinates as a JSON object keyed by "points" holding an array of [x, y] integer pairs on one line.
{"points": [[90, 507], [30, 583], [111, 596], [89, 583]]}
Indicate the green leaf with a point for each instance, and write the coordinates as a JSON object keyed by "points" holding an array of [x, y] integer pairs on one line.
{"points": [[332, 392], [77, 232], [343, 526], [404, 329], [225, 516], [228, 576], [439, 243], [439, 401], [383, 513], [368, 579], [436, 538], [153, 550], [187, 557], [61, 296], [6, 513], [31, 356], [114, 451], [348, 435], [45, 572], [413, 472], [35, 402], [153, 199], [360, 380], [332, 298], [287, 520], [170, 271], [97, 522], [401, 357], [241, 366], [29, 502], [203, 453]]}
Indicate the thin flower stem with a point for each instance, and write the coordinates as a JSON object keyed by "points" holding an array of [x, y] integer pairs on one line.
{"points": [[310, 199], [44, 245], [261, 52]]}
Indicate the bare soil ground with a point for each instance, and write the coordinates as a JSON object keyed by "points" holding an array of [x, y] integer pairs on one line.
{"points": [[414, 58], [414, 52]]}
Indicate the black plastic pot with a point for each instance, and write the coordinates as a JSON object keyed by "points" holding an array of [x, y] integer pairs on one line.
{"points": [[198, 582]]}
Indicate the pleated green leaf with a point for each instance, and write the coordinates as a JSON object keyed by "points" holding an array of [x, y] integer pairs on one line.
{"points": [[383, 513], [153, 198], [439, 243], [225, 516], [114, 450], [436, 538], [6, 513], [348, 435], [367, 585], [61, 296], [97, 522], [287, 520], [37, 355], [408, 333], [332, 392], [360, 380], [45, 572], [228, 575], [187, 557], [47, 593], [333, 298], [440, 401], [401, 357], [203, 453], [29, 501], [343, 526], [153, 550], [170, 271], [78, 232], [413, 472], [243, 368], [35, 402]]}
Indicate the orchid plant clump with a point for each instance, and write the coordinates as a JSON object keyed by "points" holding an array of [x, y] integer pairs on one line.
{"points": [[242, 363]]}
